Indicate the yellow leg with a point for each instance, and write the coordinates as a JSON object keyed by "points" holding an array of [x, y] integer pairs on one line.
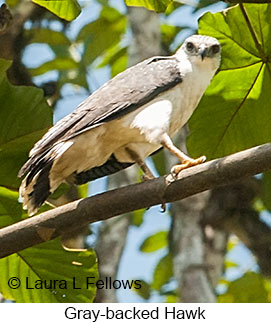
{"points": [[184, 159]]}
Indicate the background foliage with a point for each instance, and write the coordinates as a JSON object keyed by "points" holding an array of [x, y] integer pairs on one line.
{"points": [[233, 115]]}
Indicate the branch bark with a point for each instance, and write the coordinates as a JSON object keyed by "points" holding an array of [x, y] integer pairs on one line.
{"points": [[56, 222]]}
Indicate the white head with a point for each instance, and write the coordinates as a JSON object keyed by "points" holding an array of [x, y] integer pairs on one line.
{"points": [[199, 49]]}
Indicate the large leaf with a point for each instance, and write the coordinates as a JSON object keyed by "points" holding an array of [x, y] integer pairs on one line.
{"points": [[235, 112], [102, 33], [155, 242], [50, 262], [156, 5], [65, 9], [24, 117]]}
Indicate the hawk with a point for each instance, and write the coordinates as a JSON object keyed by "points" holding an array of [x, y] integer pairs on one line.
{"points": [[126, 120]]}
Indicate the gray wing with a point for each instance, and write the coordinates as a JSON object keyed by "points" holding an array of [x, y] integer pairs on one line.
{"points": [[123, 94]]}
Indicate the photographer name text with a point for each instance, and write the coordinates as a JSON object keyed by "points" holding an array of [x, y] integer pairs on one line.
{"points": [[74, 283]]}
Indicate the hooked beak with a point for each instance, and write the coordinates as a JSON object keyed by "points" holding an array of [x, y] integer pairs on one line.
{"points": [[203, 52]]}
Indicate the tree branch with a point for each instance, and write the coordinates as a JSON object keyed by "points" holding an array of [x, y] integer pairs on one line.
{"points": [[53, 223]]}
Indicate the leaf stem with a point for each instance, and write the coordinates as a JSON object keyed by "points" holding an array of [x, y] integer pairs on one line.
{"points": [[253, 33]]}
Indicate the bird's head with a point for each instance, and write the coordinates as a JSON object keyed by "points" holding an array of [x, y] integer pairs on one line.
{"points": [[201, 49]]}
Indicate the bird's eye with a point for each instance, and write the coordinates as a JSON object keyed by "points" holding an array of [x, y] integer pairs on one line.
{"points": [[215, 48], [190, 46]]}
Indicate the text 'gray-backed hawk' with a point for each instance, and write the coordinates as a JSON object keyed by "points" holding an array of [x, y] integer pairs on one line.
{"points": [[123, 122]]}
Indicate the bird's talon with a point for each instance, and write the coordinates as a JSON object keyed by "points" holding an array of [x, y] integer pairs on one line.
{"points": [[175, 170]]}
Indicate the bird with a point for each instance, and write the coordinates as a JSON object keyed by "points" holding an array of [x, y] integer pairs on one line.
{"points": [[129, 118]]}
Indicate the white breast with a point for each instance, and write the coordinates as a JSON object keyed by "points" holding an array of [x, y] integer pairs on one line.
{"points": [[172, 109]]}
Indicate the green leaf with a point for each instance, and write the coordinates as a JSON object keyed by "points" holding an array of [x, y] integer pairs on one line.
{"points": [[204, 3], [223, 281], [59, 64], [159, 160], [74, 76], [12, 3], [172, 7], [144, 291], [47, 36], [250, 288], [108, 16], [163, 272], [234, 113], [138, 217], [172, 298], [24, 118], [119, 65], [49, 261], [10, 209], [116, 57], [155, 242], [231, 244], [102, 34], [62, 189], [112, 54], [4, 65], [230, 264], [65, 9], [156, 5], [83, 190], [258, 205]]}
